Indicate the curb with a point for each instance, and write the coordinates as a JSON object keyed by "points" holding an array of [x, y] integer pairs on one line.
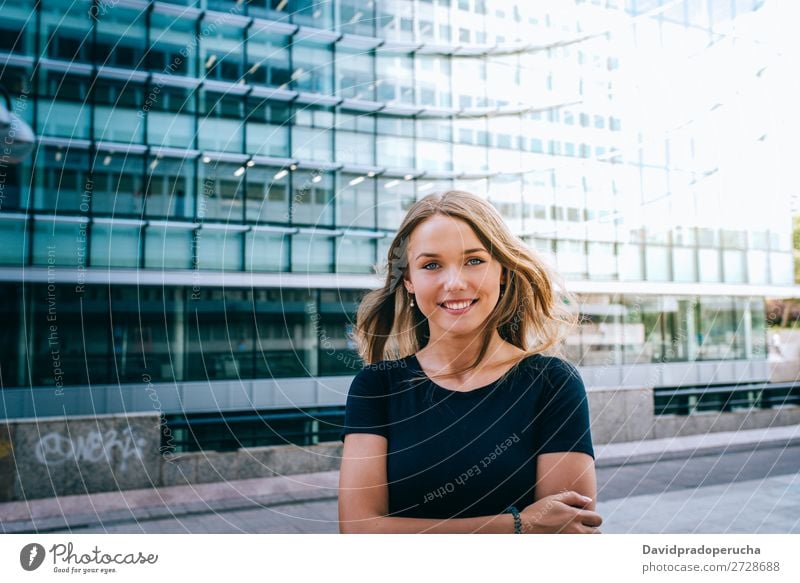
{"points": [[149, 513], [617, 460]]}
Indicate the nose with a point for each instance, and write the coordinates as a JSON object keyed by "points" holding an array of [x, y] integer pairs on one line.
{"points": [[455, 279]]}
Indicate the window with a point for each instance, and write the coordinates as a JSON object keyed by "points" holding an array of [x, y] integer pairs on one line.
{"points": [[354, 74], [174, 47], [312, 254], [267, 195], [62, 180], [65, 113], [313, 67], [221, 190], [267, 57], [220, 125], [221, 52], [63, 244], [170, 119], [355, 255], [312, 198], [219, 249], [66, 31], [355, 201], [170, 187], [395, 78], [266, 251], [118, 184], [118, 34], [115, 245], [268, 126], [168, 247], [13, 244], [312, 138]]}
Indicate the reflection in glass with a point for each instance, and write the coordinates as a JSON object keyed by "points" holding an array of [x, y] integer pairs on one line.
{"points": [[62, 177], [337, 349], [81, 343], [118, 37], [313, 66], [266, 251], [174, 49], [118, 186], [115, 245], [268, 128], [168, 247], [286, 337], [267, 195], [312, 254], [117, 111], [149, 330], [355, 201], [170, 119], [355, 255], [219, 250], [312, 198], [170, 187], [221, 189], [220, 127], [267, 57]]}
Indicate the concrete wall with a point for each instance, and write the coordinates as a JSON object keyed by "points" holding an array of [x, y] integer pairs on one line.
{"points": [[47, 457], [620, 415], [41, 458]]}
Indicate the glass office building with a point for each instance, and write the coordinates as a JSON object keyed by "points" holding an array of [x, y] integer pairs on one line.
{"points": [[216, 183]]}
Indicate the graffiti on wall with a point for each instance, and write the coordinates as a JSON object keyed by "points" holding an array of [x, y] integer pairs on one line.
{"points": [[54, 449]]}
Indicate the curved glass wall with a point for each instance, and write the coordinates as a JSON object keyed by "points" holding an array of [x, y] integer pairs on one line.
{"points": [[181, 334]]}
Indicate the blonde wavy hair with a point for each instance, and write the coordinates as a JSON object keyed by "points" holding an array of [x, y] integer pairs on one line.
{"points": [[532, 313]]}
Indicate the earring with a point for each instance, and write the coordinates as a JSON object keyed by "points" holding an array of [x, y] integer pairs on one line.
{"points": [[412, 300]]}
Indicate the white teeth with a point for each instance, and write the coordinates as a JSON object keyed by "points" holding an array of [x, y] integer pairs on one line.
{"points": [[456, 306]]}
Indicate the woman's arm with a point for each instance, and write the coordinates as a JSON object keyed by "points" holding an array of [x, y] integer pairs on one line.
{"points": [[364, 497], [566, 488], [557, 472]]}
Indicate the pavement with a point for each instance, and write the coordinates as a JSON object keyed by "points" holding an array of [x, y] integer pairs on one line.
{"points": [[744, 481]]}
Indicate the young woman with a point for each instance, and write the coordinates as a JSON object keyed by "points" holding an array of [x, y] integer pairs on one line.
{"points": [[459, 422]]}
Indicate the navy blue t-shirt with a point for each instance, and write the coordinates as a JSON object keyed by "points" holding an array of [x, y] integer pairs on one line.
{"points": [[458, 454]]}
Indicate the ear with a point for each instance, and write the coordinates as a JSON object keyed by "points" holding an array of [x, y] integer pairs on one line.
{"points": [[408, 285]]}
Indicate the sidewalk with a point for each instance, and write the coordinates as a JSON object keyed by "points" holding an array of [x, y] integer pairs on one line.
{"points": [[109, 508]]}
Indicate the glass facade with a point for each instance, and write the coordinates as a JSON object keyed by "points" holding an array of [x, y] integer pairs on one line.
{"points": [[291, 137], [182, 334], [233, 86]]}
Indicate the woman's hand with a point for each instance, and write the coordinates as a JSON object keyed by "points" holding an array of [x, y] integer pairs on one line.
{"points": [[560, 513]]}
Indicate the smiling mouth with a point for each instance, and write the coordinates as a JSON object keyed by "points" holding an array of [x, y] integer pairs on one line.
{"points": [[462, 307]]}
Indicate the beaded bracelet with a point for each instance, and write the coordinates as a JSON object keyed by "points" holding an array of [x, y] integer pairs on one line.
{"points": [[517, 520]]}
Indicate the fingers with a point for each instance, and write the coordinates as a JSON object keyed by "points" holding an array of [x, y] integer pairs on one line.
{"points": [[572, 498], [589, 518]]}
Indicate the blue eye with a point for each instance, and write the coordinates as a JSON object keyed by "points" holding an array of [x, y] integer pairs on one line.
{"points": [[472, 259]]}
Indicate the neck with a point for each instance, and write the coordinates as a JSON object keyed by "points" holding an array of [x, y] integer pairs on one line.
{"points": [[451, 353]]}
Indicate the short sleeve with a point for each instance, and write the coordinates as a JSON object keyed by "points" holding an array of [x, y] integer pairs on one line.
{"points": [[367, 405], [562, 417]]}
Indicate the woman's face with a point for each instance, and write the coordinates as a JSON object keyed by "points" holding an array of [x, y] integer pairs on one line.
{"points": [[455, 282]]}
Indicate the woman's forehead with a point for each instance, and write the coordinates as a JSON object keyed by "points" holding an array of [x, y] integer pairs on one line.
{"points": [[440, 234]]}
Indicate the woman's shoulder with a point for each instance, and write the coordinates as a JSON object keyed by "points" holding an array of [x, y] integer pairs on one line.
{"points": [[383, 369], [553, 370], [385, 365], [379, 378]]}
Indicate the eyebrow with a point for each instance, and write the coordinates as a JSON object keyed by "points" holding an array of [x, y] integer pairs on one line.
{"points": [[467, 252]]}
